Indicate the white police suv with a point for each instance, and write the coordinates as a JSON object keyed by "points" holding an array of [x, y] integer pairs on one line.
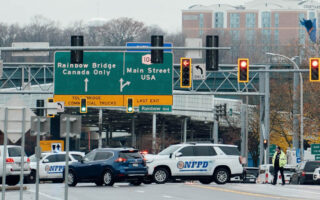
{"points": [[195, 161], [13, 164], [52, 165]]}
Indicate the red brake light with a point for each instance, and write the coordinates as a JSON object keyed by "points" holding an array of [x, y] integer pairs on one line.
{"points": [[303, 174], [267, 175], [121, 160], [28, 160], [9, 160]]}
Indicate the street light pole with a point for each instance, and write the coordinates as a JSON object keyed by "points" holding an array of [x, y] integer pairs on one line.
{"points": [[301, 98]]}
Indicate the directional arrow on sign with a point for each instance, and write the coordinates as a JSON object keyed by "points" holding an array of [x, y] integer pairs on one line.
{"points": [[199, 68], [86, 85], [123, 85]]}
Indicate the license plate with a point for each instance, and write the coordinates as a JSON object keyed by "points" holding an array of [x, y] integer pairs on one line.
{"points": [[135, 164], [252, 179]]}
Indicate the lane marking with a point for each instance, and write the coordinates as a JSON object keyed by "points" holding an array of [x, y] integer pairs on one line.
{"points": [[167, 196], [140, 191], [243, 193], [48, 196]]}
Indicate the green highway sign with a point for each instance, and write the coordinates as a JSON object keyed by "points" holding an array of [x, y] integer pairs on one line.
{"points": [[155, 108], [317, 157], [113, 73], [272, 149], [315, 148]]}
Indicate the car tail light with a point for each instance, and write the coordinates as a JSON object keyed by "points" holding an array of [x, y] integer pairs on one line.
{"points": [[267, 176], [303, 173], [144, 152], [28, 160], [121, 160], [280, 177], [9, 160]]}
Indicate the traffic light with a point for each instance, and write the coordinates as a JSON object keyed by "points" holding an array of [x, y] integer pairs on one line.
{"points": [[49, 106], [83, 105], [185, 72], [130, 108], [314, 69], [243, 70], [76, 55], [212, 56], [157, 55], [265, 143]]}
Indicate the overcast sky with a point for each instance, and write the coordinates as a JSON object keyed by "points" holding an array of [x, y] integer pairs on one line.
{"points": [[164, 13]]}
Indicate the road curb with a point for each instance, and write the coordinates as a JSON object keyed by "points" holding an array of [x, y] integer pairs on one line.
{"points": [[12, 188]]}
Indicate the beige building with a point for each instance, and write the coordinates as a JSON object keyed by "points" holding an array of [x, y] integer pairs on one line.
{"points": [[267, 23]]}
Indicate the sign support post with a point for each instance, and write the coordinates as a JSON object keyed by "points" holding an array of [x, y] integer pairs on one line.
{"points": [[5, 140], [22, 151]]}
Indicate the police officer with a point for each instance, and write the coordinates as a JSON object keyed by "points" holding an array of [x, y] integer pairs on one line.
{"points": [[279, 160]]}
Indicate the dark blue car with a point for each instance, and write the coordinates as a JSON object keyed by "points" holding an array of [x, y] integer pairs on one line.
{"points": [[107, 166]]}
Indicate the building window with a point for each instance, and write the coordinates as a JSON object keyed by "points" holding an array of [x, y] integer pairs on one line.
{"points": [[276, 37], [218, 22], [200, 24], [190, 17], [234, 20], [250, 36], [266, 36], [276, 19], [235, 35], [266, 20], [250, 20]]}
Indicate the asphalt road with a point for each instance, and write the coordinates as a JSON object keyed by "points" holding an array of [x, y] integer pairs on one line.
{"points": [[174, 191]]}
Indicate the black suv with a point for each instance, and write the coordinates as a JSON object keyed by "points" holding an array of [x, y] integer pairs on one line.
{"points": [[304, 172]]}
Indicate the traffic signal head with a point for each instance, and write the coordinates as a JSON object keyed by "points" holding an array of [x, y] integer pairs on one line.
{"points": [[83, 105], [314, 69], [130, 108], [185, 72], [243, 70], [157, 55], [265, 143], [76, 55], [212, 56]]}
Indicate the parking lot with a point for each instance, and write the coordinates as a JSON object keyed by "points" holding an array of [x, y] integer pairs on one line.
{"points": [[187, 190]]}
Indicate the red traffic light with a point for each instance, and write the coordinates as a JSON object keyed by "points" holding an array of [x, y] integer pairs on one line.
{"points": [[314, 69], [243, 70], [185, 73], [243, 63]]}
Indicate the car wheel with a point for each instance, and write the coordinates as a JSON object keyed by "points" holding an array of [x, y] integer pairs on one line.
{"points": [[107, 178], [72, 181], [205, 181], [13, 180], [32, 177], [135, 183], [160, 175], [221, 175]]}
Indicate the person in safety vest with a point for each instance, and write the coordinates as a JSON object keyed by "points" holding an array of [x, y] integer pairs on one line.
{"points": [[279, 160]]}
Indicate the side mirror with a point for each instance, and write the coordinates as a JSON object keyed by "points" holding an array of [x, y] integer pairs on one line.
{"points": [[45, 161], [179, 154]]}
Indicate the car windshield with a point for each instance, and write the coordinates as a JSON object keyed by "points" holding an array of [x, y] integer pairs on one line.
{"points": [[14, 151], [169, 150], [311, 166], [130, 155]]}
